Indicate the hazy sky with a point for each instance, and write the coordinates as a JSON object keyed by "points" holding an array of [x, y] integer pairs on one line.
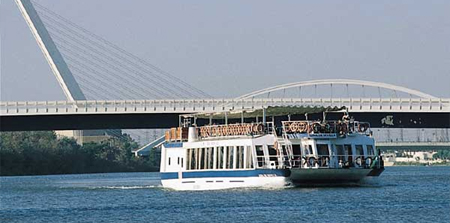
{"points": [[228, 48]]}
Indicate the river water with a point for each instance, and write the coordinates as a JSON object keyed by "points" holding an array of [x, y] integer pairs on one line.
{"points": [[401, 194]]}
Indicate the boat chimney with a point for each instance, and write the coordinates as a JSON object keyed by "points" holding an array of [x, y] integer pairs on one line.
{"points": [[192, 134], [264, 115], [226, 118]]}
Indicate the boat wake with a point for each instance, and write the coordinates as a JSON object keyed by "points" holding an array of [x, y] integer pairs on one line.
{"points": [[125, 187]]}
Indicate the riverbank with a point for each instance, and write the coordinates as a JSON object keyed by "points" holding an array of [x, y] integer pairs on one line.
{"points": [[42, 153], [421, 164]]}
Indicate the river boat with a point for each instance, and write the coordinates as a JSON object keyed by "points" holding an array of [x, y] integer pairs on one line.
{"points": [[261, 154]]}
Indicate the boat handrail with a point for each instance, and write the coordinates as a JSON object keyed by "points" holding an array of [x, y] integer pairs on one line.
{"points": [[336, 161], [237, 129], [341, 127]]}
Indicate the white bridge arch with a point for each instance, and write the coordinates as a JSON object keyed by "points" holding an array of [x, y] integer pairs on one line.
{"points": [[336, 82]]}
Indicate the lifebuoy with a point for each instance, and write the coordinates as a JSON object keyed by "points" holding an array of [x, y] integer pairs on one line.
{"points": [[293, 127], [358, 161], [327, 128], [316, 127], [362, 127], [368, 161], [347, 164], [248, 129], [260, 128], [286, 126], [303, 127], [303, 162], [255, 128], [311, 161]]}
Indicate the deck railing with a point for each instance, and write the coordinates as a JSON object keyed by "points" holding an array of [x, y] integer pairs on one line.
{"points": [[295, 129], [319, 161]]}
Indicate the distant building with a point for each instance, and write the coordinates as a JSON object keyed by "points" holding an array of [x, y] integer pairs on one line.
{"points": [[86, 136], [425, 157]]}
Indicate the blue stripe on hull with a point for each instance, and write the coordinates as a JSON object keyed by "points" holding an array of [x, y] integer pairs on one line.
{"points": [[225, 173]]}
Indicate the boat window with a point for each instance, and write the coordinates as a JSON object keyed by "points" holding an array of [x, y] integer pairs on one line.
{"points": [[211, 158], [249, 157], [169, 161], [324, 154], [190, 159], [322, 150], [308, 150], [178, 160], [340, 153], [359, 159], [230, 157], [207, 152], [220, 151], [206, 158], [240, 157], [259, 155], [359, 150], [273, 154], [197, 159], [348, 151], [181, 162], [370, 151], [238, 149], [201, 158], [296, 150], [194, 159]]}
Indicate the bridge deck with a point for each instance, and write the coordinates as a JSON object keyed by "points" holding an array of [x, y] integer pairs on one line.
{"points": [[218, 105]]}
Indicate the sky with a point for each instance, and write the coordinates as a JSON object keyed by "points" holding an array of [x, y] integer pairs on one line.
{"points": [[229, 48]]}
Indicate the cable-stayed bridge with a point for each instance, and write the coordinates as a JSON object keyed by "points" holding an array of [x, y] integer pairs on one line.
{"points": [[109, 88]]}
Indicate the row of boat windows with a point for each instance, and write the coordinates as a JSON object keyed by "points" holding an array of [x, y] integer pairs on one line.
{"points": [[240, 157], [221, 157], [341, 150]]}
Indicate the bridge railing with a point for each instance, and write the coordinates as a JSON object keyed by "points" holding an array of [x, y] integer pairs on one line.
{"points": [[220, 105]]}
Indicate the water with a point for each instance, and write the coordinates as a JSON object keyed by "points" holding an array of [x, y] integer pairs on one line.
{"points": [[401, 194]]}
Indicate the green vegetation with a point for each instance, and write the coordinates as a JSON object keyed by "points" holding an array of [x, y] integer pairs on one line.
{"points": [[38, 153], [442, 154]]}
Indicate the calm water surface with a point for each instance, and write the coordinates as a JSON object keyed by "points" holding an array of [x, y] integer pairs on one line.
{"points": [[401, 194]]}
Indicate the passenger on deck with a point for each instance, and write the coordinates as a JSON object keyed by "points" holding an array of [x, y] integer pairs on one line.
{"points": [[345, 117]]}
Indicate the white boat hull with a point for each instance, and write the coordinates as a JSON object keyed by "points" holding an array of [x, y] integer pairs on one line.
{"points": [[225, 183]]}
